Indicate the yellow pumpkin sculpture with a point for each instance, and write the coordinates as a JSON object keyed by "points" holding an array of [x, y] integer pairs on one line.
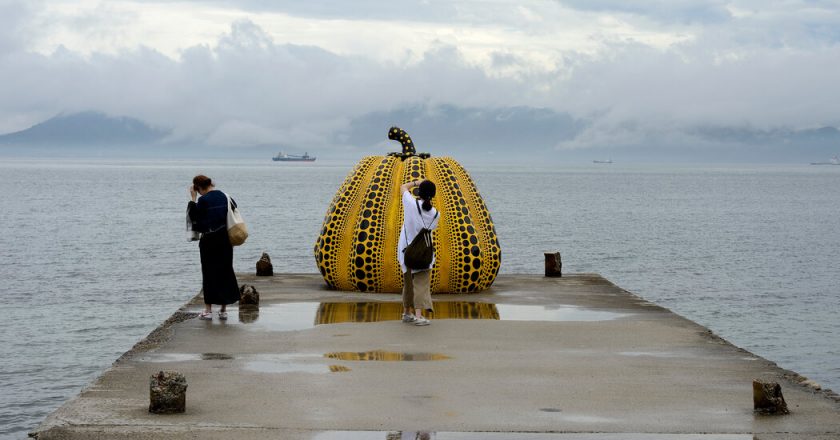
{"points": [[357, 248]]}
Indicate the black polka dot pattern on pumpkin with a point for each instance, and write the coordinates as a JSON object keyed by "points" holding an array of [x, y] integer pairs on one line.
{"points": [[357, 245]]}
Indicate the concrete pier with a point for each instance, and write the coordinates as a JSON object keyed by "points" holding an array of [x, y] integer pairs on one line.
{"points": [[532, 358]]}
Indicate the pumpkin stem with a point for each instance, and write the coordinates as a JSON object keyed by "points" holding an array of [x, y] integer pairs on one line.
{"points": [[398, 134]]}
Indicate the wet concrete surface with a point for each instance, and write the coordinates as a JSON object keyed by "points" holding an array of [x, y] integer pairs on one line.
{"points": [[532, 358], [427, 435]]}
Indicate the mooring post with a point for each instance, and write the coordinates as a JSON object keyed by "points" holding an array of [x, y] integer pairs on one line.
{"points": [[768, 399], [264, 266], [553, 264], [167, 393], [249, 297]]}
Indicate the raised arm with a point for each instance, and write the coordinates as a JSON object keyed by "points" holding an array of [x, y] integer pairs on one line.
{"points": [[408, 185]]}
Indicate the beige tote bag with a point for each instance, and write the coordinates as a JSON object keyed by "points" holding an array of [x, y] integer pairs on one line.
{"points": [[237, 231]]}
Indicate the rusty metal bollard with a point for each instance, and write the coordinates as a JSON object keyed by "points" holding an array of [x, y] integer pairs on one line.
{"points": [[768, 399], [553, 264], [167, 393]]}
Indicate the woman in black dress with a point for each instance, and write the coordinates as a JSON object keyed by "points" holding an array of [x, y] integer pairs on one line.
{"points": [[209, 216]]}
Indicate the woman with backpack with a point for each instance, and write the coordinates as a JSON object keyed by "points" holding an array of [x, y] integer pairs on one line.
{"points": [[419, 219]]}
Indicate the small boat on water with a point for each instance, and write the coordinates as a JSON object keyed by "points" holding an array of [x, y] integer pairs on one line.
{"points": [[602, 161], [834, 161], [283, 157]]}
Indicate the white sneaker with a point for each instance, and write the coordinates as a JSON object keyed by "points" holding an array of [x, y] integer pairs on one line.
{"points": [[223, 316], [419, 320], [407, 318], [205, 316]]}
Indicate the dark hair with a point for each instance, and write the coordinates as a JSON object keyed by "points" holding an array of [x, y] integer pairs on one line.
{"points": [[426, 192], [201, 181]]}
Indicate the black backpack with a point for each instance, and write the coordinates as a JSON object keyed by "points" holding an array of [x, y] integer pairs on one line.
{"points": [[419, 253]]}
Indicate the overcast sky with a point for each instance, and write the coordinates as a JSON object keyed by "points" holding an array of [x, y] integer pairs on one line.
{"points": [[256, 71]]}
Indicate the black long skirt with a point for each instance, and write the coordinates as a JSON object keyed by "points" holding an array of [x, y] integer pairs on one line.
{"points": [[217, 277]]}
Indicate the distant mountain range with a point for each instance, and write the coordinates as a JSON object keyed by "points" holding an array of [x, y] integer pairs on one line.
{"points": [[447, 129], [86, 129], [523, 134], [527, 134]]}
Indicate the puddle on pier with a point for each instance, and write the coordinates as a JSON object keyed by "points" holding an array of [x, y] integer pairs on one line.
{"points": [[306, 315], [185, 357], [296, 363], [289, 363], [386, 356], [514, 312], [215, 357], [263, 363], [361, 312], [283, 317]]}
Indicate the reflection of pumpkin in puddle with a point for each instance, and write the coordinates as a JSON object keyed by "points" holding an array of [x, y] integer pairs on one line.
{"points": [[357, 247], [338, 312], [339, 369], [385, 356]]}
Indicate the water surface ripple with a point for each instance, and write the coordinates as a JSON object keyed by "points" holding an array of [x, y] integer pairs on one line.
{"points": [[94, 254]]}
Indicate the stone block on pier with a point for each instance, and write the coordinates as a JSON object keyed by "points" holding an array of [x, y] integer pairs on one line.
{"points": [[768, 399], [553, 264], [249, 297], [167, 393], [264, 267]]}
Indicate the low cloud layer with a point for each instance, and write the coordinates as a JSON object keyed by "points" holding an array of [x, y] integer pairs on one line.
{"points": [[246, 73]]}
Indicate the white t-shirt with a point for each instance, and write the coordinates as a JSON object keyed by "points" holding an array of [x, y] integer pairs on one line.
{"points": [[413, 222]]}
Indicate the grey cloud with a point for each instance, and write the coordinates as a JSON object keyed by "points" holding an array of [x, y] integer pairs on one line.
{"points": [[400, 10], [501, 60], [796, 23], [668, 11], [642, 96], [14, 19], [804, 26], [245, 89]]}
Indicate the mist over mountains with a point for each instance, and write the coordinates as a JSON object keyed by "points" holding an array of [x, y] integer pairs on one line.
{"points": [[512, 134], [83, 133]]}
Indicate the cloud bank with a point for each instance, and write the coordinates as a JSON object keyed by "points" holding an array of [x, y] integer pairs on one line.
{"points": [[234, 74]]}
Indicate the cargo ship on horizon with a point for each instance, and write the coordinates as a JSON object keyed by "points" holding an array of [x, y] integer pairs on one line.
{"points": [[283, 157]]}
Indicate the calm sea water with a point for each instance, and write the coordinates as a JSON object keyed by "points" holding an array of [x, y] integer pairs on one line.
{"points": [[94, 255]]}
